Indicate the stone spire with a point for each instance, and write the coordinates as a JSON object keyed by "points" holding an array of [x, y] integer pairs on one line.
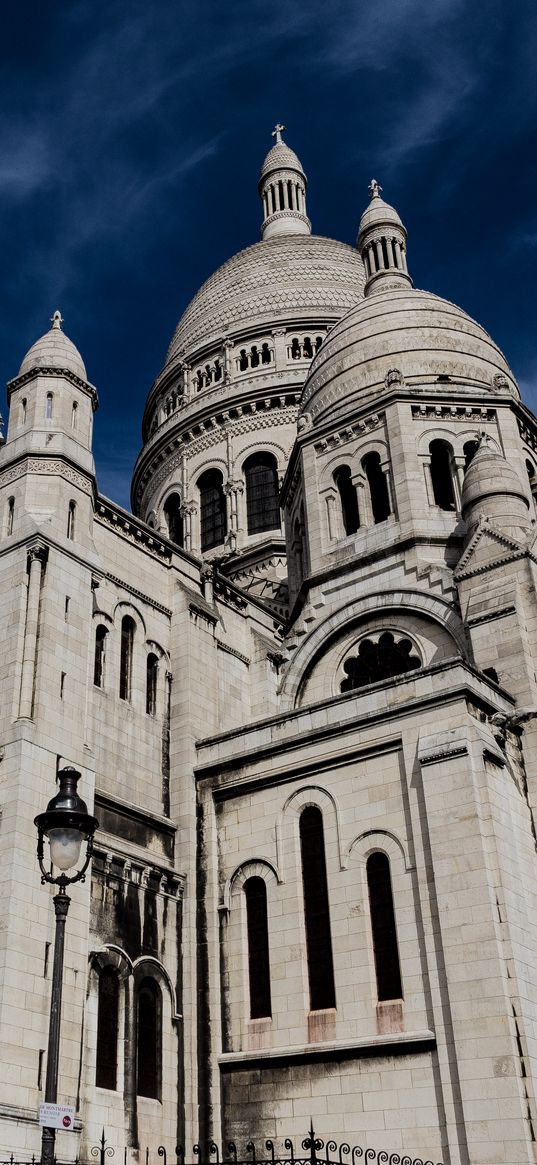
{"points": [[282, 187], [492, 489], [382, 244]]}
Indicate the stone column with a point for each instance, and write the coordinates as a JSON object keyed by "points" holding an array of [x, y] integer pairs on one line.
{"points": [[188, 509], [36, 559], [280, 350], [227, 347]]}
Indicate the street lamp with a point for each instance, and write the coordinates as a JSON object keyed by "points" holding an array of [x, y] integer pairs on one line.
{"points": [[66, 823]]}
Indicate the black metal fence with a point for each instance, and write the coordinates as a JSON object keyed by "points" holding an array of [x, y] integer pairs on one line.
{"points": [[311, 1151]]}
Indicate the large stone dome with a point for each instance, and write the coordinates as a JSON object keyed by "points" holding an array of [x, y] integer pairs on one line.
{"points": [[272, 282], [418, 335]]}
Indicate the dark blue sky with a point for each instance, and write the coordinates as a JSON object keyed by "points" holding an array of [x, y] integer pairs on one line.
{"points": [[132, 134]]}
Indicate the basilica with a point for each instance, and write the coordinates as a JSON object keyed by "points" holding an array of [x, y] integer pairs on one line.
{"points": [[299, 683]]}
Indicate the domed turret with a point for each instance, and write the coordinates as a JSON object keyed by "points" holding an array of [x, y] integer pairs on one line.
{"points": [[382, 244], [282, 187], [493, 489], [54, 350]]}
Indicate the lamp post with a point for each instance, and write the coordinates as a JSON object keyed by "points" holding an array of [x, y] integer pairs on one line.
{"points": [[66, 823]]}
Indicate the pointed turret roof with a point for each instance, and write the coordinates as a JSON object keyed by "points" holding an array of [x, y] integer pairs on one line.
{"points": [[54, 350]]}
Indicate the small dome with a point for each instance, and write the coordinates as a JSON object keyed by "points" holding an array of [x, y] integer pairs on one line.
{"points": [[378, 213], [280, 157], [408, 336], [54, 350], [489, 475]]}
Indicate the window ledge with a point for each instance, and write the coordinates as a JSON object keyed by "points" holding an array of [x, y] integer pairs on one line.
{"points": [[394, 1044]]}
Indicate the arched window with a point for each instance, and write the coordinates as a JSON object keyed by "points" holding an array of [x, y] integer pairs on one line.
{"points": [[266, 354], [149, 1039], [74, 415], [469, 449], [100, 655], [23, 410], [243, 360], [441, 475], [296, 350], [316, 910], [213, 519], [128, 628], [255, 893], [48, 406], [383, 928], [378, 661], [261, 473], [71, 520], [378, 487], [348, 499], [254, 357], [307, 349], [10, 516], [174, 518], [151, 684], [107, 1029]]}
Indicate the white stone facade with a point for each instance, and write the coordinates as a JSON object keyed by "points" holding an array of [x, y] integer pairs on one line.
{"points": [[369, 659]]}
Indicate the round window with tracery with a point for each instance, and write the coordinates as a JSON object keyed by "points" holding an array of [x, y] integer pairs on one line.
{"points": [[379, 658]]}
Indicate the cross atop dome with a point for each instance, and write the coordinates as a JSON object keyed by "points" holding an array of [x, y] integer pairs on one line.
{"points": [[277, 131], [374, 188], [57, 320]]}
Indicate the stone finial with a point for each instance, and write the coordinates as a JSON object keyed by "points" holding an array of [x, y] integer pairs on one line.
{"points": [[57, 320], [374, 188], [277, 131]]}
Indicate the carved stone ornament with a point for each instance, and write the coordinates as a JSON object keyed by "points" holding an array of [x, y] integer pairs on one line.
{"points": [[500, 383], [393, 376], [304, 422]]}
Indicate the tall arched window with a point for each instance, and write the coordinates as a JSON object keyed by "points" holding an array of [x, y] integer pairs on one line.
{"points": [[107, 1029], [174, 518], [441, 475], [378, 486], [469, 449], [383, 928], [316, 910], [255, 893], [149, 1039], [261, 473], [213, 518], [128, 628], [23, 410], [48, 406], [10, 516], [71, 520], [74, 415], [348, 498], [100, 655], [151, 684]]}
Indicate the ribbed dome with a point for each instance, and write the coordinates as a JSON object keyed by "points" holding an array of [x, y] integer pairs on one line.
{"points": [[54, 350], [280, 157], [378, 213], [272, 282], [414, 332]]}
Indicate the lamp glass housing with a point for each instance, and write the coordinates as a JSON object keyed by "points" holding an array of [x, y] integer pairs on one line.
{"points": [[65, 845]]}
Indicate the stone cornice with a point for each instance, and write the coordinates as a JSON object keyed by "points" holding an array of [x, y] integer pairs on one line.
{"points": [[62, 373], [133, 529], [46, 463]]}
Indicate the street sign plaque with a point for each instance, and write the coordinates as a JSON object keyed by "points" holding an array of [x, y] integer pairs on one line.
{"points": [[57, 1116]]}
